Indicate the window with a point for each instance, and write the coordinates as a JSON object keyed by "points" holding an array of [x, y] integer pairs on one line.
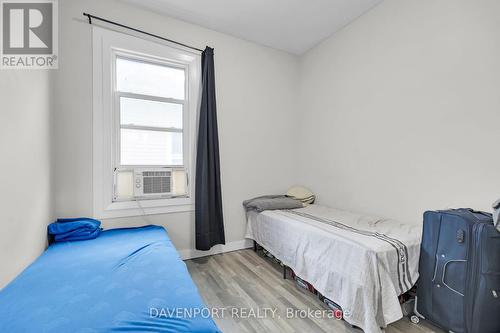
{"points": [[145, 100], [150, 99]]}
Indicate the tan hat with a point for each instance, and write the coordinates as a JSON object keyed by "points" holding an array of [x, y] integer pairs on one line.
{"points": [[301, 193]]}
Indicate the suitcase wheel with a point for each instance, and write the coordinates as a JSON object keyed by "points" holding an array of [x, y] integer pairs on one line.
{"points": [[414, 319]]}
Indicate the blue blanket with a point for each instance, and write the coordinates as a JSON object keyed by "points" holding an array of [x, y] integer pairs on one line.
{"points": [[126, 280], [82, 228]]}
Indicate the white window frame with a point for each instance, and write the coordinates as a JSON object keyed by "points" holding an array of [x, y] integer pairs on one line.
{"points": [[107, 45]]}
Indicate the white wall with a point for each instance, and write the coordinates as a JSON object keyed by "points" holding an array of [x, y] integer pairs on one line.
{"points": [[25, 172], [256, 91], [401, 109]]}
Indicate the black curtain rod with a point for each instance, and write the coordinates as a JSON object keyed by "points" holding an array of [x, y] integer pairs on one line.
{"points": [[90, 17]]}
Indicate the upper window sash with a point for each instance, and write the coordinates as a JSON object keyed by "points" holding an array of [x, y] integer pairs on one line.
{"points": [[147, 60]]}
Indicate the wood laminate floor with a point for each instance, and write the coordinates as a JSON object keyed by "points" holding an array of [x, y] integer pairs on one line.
{"points": [[247, 280]]}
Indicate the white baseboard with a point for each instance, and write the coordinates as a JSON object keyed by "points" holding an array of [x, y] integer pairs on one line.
{"points": [[231, 246]]}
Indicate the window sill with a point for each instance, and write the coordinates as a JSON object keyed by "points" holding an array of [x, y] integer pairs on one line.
{"points": [[149, 207]]}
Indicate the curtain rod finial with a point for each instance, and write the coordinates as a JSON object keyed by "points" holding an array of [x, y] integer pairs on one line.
{"points": [[89, 17]]}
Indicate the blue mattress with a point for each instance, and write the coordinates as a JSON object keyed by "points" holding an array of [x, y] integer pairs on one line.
{"points": [[126, 280]]}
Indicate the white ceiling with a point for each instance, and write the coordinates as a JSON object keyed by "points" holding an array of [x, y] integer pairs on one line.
{"points": [[294, 26]]}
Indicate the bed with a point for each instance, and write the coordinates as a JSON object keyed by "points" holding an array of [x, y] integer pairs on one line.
{"points": [[362, 263], [129, 280]]}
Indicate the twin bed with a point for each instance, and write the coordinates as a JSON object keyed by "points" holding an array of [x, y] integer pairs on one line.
{"points": [[360, 262], [125, 280]]}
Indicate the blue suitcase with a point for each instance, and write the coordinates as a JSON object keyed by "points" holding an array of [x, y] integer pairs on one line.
{"points": [[459, 284]]}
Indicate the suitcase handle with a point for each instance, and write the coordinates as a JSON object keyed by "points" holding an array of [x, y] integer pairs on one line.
{"points": [[471, 211], [478, 212]]}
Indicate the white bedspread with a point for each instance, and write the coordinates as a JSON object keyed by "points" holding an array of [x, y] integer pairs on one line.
{"points": [[360, 262]]}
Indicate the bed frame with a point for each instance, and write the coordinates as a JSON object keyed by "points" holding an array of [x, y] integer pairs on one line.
{"points": [[257, 247], [403, 299]]}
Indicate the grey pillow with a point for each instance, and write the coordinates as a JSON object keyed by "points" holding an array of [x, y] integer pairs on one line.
{"points": [[263, 203]]}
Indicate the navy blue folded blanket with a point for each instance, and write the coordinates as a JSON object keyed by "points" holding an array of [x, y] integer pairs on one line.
{"points": [[65, 230]]}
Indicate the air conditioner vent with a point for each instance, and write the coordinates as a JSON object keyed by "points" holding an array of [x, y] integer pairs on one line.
{"points": [[151, 183], [157, 182], [156, 173]]}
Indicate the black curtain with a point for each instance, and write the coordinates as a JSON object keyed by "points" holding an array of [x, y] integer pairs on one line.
{"points": [[208, 197]]}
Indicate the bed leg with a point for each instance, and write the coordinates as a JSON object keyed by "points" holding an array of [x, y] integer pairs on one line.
{"points": [[284, 272], [254, 246]]}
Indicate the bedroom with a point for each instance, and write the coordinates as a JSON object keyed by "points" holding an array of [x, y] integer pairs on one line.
{"points": [[381, 108]]}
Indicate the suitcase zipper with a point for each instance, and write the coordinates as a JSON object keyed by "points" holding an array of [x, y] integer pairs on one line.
{"points": [[472, 276]]}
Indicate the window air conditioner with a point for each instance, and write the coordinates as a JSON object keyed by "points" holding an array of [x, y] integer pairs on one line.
{"points": [[152, 182]]}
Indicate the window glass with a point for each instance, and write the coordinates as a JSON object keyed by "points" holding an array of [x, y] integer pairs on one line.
{"points": [[140, 112], [155, 148], [149, 79]]}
